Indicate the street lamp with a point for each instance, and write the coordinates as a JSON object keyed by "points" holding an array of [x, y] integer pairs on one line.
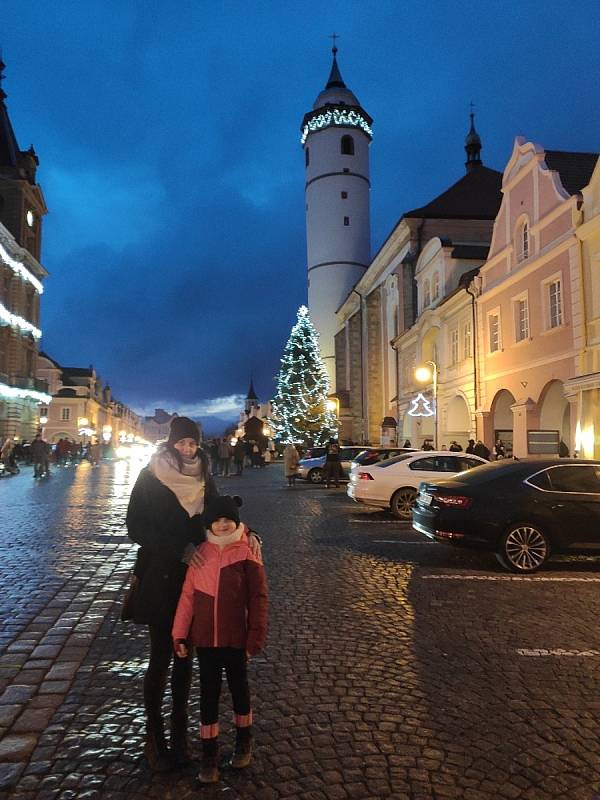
{"points": [[428, 373], [333, 405]]}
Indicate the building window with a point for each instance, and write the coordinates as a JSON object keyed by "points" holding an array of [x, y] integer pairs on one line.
{"points": [[65, 414], [523, 242], [307, 156], [426, 293], [347, 145], [43, 411], [467, 340], [521, 320], [454, 346], [344, 195], [435, 287], [494, 331], [555, 304], [346, 221]]}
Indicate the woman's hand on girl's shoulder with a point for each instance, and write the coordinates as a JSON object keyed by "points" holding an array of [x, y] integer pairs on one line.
{"points": [[255, 543], [198, 559]]}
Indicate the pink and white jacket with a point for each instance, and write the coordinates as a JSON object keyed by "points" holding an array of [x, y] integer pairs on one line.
{"points": [[224, 602]]}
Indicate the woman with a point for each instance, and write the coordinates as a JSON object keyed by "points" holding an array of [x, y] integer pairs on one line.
{"points": [[165, 518], [290, 463]]}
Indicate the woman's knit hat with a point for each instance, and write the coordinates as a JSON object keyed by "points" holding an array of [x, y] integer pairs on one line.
{"points": [[183, 428], [223, 506]]}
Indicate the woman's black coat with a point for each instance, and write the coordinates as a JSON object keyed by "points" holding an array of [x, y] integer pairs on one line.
{"points": [[163, 529]]}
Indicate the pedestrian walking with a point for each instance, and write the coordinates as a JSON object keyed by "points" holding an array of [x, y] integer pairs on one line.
{"points": [[222, 612], [427, 445], [481, 450], [499, 450], [290, 463], [164, 517], [332, 462], [7, 456], [255, 455], [224, 457], [239, 451], [470, 447], [39, 456]]}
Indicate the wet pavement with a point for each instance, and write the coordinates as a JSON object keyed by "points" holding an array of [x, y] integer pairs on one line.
{"points": [[395, 668]]}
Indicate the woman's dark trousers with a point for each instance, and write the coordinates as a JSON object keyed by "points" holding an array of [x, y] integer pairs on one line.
{"points": [[155, 682]]}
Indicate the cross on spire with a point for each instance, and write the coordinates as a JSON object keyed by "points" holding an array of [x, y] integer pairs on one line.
{"points": [[334, 36]]}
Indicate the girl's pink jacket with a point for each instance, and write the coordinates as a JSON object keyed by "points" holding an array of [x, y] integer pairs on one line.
{"points": [[224, 602]]}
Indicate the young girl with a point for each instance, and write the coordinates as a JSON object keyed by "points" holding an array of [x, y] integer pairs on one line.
{"points": [[222, 612], [165, 518]]}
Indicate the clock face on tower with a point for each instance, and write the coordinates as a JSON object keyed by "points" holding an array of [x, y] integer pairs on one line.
{"points": [[30, 218]]}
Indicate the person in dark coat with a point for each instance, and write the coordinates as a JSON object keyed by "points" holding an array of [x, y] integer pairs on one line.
{"points": [[481, 450], [470, 447]]}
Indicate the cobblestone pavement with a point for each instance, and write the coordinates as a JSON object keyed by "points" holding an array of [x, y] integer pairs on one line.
{"points": [[395, 668]]}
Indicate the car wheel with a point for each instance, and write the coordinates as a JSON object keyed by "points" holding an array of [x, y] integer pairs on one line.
{"points": [[402, 502], [523, 548], [315, 475]]}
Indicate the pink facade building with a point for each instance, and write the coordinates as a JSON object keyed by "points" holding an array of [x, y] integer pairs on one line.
{"points": [[530, 319]]}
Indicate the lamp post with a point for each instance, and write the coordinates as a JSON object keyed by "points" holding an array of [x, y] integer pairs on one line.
{"points": [[428, 373]]}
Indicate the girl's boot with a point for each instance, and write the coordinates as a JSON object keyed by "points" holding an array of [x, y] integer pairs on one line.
{"points": [[242, 753], [209, 770]]}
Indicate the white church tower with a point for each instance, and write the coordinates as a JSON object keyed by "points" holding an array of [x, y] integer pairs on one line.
{"points": [[335, 136]]}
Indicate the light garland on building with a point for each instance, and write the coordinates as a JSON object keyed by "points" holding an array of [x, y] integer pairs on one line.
{"points": [[32, 394], [337, 116], [20, 269], [14, 321]]}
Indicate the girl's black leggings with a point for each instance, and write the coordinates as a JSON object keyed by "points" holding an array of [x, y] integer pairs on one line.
{"points": [[213, 660]]}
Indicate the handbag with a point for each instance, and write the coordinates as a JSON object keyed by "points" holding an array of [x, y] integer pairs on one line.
{"points": [[128, 607]]}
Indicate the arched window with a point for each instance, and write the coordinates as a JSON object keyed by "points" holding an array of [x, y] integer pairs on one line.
{"points": [[426, 294], [307, 156], [347, 145], [435, 286], [523, 241]]}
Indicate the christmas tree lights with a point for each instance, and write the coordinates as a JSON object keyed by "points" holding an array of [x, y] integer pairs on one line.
{"points": [[300, 412]]}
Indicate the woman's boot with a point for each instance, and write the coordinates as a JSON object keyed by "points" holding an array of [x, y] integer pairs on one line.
{"points": [[155, 748], [209, 769], [242, 753], [180, 747]]}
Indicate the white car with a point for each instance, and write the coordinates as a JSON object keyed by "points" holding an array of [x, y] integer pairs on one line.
{"points": [[394, 483]]}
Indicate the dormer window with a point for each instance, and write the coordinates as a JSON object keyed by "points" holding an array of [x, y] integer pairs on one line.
{"points": [[435, 287], [523, 241], [347, 145]]}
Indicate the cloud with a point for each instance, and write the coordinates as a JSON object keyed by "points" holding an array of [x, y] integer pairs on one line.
{"points": [[213, 406]]}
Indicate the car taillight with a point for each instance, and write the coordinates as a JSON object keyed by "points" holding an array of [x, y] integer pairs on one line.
{"points": [[453, 500], [365, 476]]}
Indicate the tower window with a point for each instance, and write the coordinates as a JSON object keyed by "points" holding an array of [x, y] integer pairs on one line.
{"points": [[347, 145], [346, 221], [306, 156], [346, 169], [344, 195]]}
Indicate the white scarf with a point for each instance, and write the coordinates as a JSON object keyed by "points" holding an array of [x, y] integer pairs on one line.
{"points": [[230, 538], [187, 486]]}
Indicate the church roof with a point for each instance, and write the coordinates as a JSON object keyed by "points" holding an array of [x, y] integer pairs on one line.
{"points": [[575, 169], [9, 149], [476, 195], [335, 92]]}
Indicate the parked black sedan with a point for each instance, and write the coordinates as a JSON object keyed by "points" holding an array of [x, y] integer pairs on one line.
{"points": [[521, 510]]}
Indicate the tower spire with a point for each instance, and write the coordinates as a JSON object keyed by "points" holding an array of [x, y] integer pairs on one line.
{"points": [[9, 148], [335, 77], [472, 145]]}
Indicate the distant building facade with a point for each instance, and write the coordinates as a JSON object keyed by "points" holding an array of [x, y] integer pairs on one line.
{"points": [[156, 428], [82, 408], [22, 207]]}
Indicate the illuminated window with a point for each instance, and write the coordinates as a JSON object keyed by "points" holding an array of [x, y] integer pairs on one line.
{"points": [[523, 242], [454, 346], [521, 320], [467, 340], [494, 332], [555, 317]]}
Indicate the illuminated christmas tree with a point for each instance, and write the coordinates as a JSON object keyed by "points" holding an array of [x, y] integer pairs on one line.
{"points": [[300, 412]]}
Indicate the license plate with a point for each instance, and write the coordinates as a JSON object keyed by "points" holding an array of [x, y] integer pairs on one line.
{"points": [[426, 498]]}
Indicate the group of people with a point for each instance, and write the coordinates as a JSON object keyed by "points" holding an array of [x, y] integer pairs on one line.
{"points": [[199, 584], [226, 457], [477, 448]]}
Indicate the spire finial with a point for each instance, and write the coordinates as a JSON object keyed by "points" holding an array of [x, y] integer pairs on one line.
{"points": [[334, 49], [472, 143]]}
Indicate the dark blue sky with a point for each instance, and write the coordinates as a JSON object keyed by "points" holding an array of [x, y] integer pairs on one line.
{"points": [[168, 137]]}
